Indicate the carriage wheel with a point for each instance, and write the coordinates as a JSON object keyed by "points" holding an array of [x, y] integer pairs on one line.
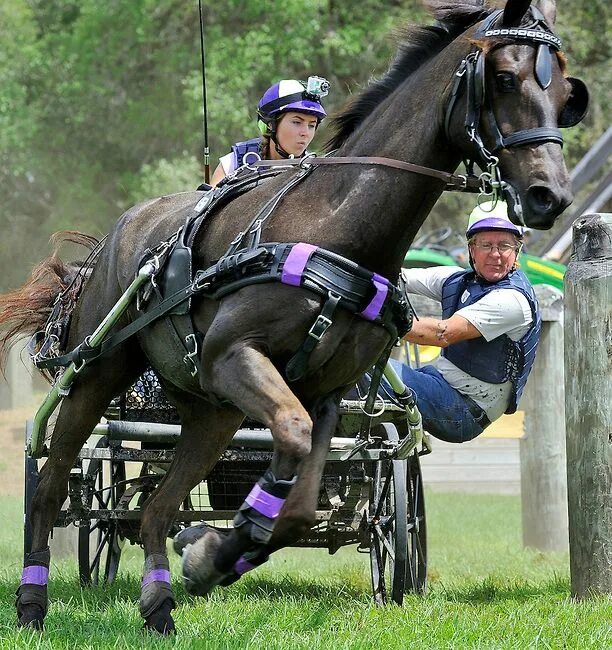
{"points": [[388, 517], [100, 542], [416, 571], [31, 481]]}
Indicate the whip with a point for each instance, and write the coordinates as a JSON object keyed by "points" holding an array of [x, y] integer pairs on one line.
{"points": [[205, 119]]}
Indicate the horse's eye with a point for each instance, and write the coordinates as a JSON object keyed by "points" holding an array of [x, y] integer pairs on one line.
{"points": [[506, 82]]}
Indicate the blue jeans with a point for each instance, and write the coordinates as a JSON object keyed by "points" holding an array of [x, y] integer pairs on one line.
{"points": [[447, 414]]}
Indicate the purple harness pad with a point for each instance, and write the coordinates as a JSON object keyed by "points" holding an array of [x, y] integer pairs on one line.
{"points": [[372, 311], [35, 575], [242, 566], [264, 502], [296, 263], [157, 575]]}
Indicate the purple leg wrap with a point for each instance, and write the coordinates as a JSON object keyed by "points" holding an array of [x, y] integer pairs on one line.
{"points": [[242, 566], [264, 502], [377, 302], [155, 591], [296, 263], [156, 575], [35, 575]]}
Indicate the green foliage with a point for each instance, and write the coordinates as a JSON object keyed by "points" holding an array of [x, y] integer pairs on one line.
{"points": [[101, 102]]}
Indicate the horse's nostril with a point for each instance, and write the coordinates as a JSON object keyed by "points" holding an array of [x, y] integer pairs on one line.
{"points": [[541, 200]]}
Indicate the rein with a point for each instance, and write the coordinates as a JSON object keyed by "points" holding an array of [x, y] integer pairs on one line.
{"points": [[454, 182]]}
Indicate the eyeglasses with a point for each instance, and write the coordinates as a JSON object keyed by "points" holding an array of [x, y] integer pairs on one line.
{"points": [[503, 248]]}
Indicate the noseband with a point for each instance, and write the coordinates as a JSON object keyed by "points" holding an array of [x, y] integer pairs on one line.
{"points": [[472, 70]]}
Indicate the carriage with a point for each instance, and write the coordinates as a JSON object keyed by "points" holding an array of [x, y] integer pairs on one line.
{"points": [[371, 494]]}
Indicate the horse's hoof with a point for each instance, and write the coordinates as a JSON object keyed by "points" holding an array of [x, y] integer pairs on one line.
{"points": [[200, 575], [31, 616], [161, 620], [188, 536]]}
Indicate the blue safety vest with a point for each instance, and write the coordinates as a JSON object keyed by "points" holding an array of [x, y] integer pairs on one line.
{"points": [[502, 359], [240, 149]]}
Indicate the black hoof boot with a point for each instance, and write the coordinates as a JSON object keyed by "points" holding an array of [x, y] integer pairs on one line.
{"points": [[31, 616], [161, 620]]}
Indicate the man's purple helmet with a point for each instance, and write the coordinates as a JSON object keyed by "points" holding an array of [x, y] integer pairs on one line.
{"points": [[293, 95], [491, 217]]}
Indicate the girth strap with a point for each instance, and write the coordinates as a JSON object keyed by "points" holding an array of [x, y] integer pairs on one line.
{"points": [[323, 272], [296, 367]]}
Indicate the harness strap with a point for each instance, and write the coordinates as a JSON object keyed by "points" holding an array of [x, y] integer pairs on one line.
{"points": [[453, 182], [296, 367], [321, 271], [254, 228], [85, 353]]}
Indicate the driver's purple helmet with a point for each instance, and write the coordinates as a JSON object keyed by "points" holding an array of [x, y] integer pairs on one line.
{"points": [[491, 216], [288, 95]]}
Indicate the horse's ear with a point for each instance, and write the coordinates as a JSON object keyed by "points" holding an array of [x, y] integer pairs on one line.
{"points": [[514, 12], [548, 8]]}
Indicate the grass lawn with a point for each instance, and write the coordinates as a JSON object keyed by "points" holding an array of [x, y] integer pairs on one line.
{"points": [[485, 591]]}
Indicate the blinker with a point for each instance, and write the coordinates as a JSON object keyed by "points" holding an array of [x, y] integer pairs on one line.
{"points": [[543, 66]]}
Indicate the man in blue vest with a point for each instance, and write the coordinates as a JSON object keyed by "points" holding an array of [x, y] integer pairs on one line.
{"points": [[488, 332]]}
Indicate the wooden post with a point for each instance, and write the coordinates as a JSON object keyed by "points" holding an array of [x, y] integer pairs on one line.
{"points": [[588, 389], [542, 447]]}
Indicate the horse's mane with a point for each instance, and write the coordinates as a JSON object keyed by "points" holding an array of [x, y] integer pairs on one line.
{"points": [[417, 44]]}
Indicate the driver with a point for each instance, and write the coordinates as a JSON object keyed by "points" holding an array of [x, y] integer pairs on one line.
{"points": [[289, 114], [488, 332]]}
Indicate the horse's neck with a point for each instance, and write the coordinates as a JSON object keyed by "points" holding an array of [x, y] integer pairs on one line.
{"points": [[377, 210]]}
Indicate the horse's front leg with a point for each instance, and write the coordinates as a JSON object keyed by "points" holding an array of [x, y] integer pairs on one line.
{"points": [[298, 514], [251, 381], [205, 433]]}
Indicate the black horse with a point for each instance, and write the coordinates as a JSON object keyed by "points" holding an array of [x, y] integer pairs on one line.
{"points": [[478, 83]]}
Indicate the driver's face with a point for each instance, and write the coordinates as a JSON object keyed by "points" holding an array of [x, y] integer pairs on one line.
{"points": [[494, 254]]}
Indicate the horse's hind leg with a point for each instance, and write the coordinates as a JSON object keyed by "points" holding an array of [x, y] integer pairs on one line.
{"points": [[205, 433], [79, 414], [252, 382]]}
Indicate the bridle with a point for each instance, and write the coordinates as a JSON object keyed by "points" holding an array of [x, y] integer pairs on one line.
{"points": [[489, 184], [471, 70]]}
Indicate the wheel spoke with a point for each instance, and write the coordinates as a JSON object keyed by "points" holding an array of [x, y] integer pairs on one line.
{"points": [[383, 494], [101, 543]]}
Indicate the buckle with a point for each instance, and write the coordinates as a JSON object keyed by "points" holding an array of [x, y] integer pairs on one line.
{"points": [[190, 357], [319, 327]]}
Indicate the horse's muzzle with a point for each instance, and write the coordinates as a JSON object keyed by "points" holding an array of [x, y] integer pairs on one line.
{"points": [[543, 205]]}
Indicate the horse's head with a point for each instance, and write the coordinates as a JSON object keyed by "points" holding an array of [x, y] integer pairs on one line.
{"points": [[516, 97]]}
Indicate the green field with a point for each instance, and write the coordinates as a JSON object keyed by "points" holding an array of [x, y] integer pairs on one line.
{"points": [[485, 591]]}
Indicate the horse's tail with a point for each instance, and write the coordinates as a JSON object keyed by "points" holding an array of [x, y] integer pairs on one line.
{"points": [[26, 310]]}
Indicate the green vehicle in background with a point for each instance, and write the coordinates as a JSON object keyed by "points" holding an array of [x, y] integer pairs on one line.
{"points": [[444, 247]]}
